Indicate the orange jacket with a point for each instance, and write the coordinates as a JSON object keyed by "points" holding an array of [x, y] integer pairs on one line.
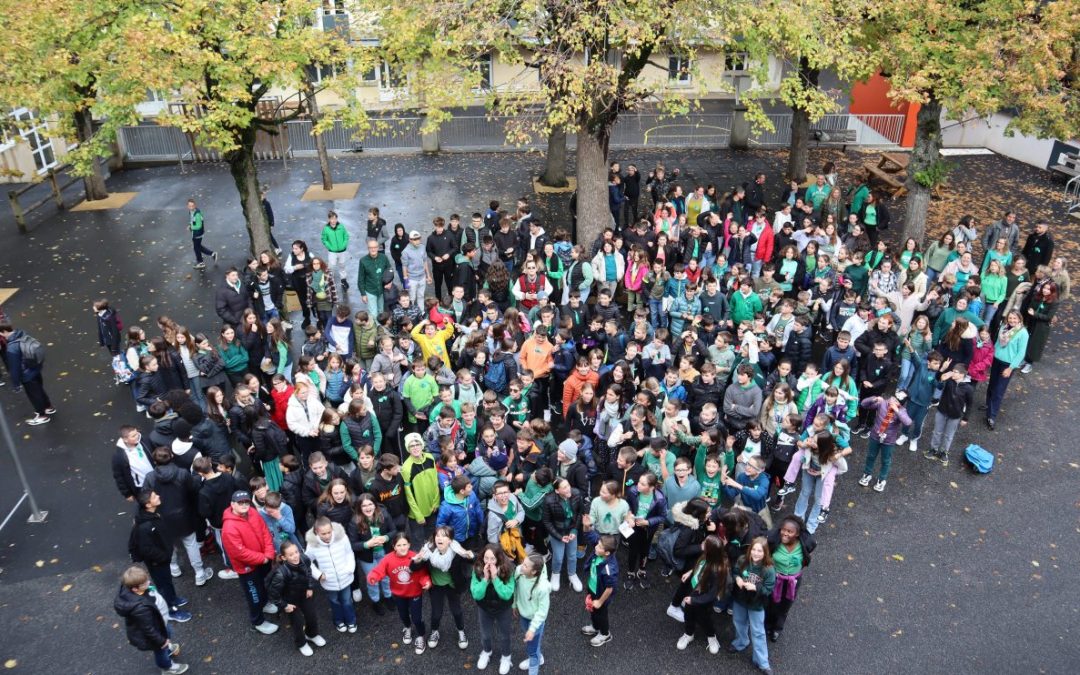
{"points": [[537, 357], [572, 388]]}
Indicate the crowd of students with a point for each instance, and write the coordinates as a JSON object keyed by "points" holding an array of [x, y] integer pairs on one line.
{"points": [[654, 395]]}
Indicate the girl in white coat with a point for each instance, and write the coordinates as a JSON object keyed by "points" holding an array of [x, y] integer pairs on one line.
{"points": [[334, 565]]}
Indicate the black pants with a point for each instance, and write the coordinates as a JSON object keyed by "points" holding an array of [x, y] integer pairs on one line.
{"points": [[776, 614], [35, 391], [301, 289], [303, 621], [599, 618], [411, 613], [440, 596], [534, 533], [637, 547], [162, 578], [630, 211], [538, 397], [443, 273], [253, 585], [200, 250], [872, 235], [699, 616]]}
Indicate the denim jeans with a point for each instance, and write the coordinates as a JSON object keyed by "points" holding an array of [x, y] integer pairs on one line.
{"points": [[872, 451], [917, 413], [810, 484], [988, 313], [341, 606], [381, 590], [336, 262], [197, 395], [163, 658], [559, 550], [657, 317], [375, 303], [532, 647], [907, 369], [417, 289], [253, 585], [411, 613], [750, 629], [270, 314]]}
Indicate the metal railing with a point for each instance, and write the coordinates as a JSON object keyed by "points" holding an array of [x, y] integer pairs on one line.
{"points": [[477, 132]]}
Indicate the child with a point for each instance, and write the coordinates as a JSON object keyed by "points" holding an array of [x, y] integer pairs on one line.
{"points": [[290, 587], [445, 559], [952, 411], [602, 576], [360, 480], [516, 404], [333, 564], [315, 346], [147, 628], [407, 586]]}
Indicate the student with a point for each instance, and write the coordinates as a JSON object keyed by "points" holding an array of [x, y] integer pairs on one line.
{"points": [[146, 626], [790, 546], [407, 586], [389, 491], [492, 587], [246, 541], [889, 418], [333, 564], [703, 584], [370, 531], [460, 509], [532, 596], [152, 544], [755, 579], [562, 512], [179, 505], [952, 412], [291, 586], [446, 561], [647, 511], [602, 577], [421, 480], [197, 228]]}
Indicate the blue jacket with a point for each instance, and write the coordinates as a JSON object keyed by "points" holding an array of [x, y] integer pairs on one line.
{"points": [[19, 371], [755, 491], [607, 574], [657, 513], [923, 383], [466, 517]]}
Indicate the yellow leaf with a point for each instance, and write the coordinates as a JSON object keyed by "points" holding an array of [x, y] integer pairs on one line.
{"points": [[953, 484], [897, 557], [96, 568], [10, 663], [1035, 563], [66, 588], [40, 563]]}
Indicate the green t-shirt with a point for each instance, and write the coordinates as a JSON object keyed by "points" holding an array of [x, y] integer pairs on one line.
{"points": [[643, 506], [788, 562], [606, 519], [710, 488]]}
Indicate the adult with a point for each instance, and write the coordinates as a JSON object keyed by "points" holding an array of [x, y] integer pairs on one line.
{"points": [[246, 541], [298, 268], [1006, 229], [373, 276], [1009, 352], [531, 286], [441, 248], [198, 228], [1039, 247], [1039, 309], [25, 359]]}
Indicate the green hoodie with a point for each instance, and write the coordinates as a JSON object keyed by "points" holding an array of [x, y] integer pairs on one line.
{"points": [[532, 598], [421, 486], [533, 498]]}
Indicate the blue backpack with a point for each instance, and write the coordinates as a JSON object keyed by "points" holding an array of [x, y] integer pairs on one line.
{"points": [[495, 377], [980, 459]]}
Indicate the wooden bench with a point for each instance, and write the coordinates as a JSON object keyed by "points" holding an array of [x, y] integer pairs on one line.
{"points": [[894, 180], [841, 137], [1068, 164]]}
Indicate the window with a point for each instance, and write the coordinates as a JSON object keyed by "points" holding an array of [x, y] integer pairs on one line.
{"points": [[33, 131], [735, 61], [370, 77], [319, 72], [484, 67], [391, 76], [333, 7], [679, 69]]}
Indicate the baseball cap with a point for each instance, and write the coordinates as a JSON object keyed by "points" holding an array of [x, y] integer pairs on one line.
{"points": [[414, 235], [241, 496]]}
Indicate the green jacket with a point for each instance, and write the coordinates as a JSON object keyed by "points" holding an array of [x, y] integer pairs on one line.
{"points": [[369, 278], [532, 598], [235, 358], [532, 498], [195, 223], [335, 239], [859, 198], [421, 485], [743, 308], [363, 334]]}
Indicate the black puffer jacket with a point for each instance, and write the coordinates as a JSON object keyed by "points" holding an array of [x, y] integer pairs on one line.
{"points": [[288, 584], [150, 541], [178, 498], [143, 622], [270, 441], [553, 513]]}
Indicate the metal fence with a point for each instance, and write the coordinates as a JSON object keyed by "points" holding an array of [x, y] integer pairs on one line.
{"points": [[402, 134]]}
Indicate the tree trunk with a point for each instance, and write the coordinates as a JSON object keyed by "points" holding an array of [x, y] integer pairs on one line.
{"points": [[245, 174], [95, 182], [923, 156], [555, 161], [320, 142], [800, 128], [592, 184]]}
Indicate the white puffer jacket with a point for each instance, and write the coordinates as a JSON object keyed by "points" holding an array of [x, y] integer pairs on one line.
{"points": [[334, 560]]}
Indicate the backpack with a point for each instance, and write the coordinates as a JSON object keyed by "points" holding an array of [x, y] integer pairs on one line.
{"points": [[980, 459], [665, 547], [122, 372], [587, 457], [33, 352], [495, 377]]}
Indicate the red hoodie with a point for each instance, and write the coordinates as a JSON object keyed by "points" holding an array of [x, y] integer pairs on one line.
{"points": [[281, 404], [404, 582], [246, 540]]}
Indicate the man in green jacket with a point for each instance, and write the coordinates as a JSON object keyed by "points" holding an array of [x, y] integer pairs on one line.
{"points": [[336, 239], [421, 488], [369, 279]]}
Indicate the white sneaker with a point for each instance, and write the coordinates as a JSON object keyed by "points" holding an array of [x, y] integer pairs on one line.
{"points": [[357, 595], [684, 641], [505, 664], [270, 608], [482, 662], [714, 646], [575, 583], [306, 650], [433, 639], [524, 665], [556, 582], [267, 628], [676, 613], [286, 325], [176, 669], [318, 641], [914, 445], [419, 645], [175, 571], [865, 480], [406, 636], [600, 640], [462, 640], [879, 486], [587, 629], [903, 439], [1026, 368], [227, 574], [207, 575]]}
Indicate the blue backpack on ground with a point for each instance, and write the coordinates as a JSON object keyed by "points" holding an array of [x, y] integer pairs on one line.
{"points": [[495, 377], [980, 459]]}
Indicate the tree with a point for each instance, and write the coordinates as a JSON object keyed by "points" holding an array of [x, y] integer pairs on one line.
{"points": [[68, 61], [224, 57], [980, 56], [815, 36]]}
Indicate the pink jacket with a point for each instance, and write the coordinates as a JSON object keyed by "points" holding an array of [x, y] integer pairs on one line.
{"points": [[979, 368], [634, 275]]}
